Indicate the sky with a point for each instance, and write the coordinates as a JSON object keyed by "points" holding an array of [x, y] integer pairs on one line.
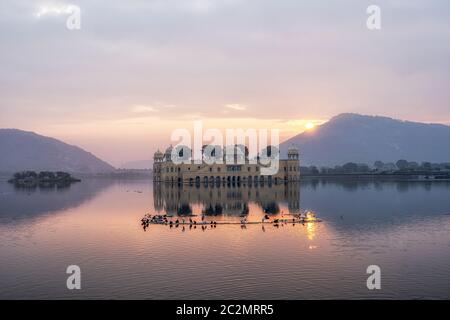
{"points": [[137, 70]]}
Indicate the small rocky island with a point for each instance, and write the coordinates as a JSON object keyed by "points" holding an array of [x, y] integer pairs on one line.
{"points": [[43, 179]]}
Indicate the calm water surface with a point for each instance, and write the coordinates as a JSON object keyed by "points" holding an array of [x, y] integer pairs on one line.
{"points": [[404, 227]]}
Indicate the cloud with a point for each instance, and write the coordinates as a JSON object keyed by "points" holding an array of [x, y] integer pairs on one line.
{"points": [[153, 108], [235, 106], [55, 10], [140, 108]]}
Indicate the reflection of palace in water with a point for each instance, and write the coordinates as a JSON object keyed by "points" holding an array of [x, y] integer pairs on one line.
{"points": [[231, 199]]}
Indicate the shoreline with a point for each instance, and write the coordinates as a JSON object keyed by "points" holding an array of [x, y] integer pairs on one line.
{"points": [[342, 176], [391, 177]]}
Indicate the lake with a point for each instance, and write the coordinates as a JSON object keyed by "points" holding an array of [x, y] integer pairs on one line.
{"points": [[403, 227]]}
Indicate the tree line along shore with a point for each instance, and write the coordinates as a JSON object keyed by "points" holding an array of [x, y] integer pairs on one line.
{"points": [[400, 168], [42, 178]]}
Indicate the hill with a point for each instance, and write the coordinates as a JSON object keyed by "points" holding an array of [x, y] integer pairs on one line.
{"points": [[359, 138], [22, 150]]}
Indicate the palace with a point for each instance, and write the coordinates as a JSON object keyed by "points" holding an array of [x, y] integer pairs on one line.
{"points": [[165, 170]]}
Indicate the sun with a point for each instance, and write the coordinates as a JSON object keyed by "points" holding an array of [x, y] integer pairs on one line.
{"points": [[309, 125]]}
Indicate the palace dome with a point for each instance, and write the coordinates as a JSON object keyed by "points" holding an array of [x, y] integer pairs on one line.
{"points": [[158, 155], [168, 153], [293, 150]]}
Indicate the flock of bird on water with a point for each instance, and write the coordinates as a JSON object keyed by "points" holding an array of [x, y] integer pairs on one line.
{"points": [[168, 220]]}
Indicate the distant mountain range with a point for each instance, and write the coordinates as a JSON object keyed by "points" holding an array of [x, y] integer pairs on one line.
{"points": [[345, 138], [22, 150], [358, 138]]}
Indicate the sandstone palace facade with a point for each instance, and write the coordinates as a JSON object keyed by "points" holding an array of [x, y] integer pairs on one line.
{"points": [[243, 171]]}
